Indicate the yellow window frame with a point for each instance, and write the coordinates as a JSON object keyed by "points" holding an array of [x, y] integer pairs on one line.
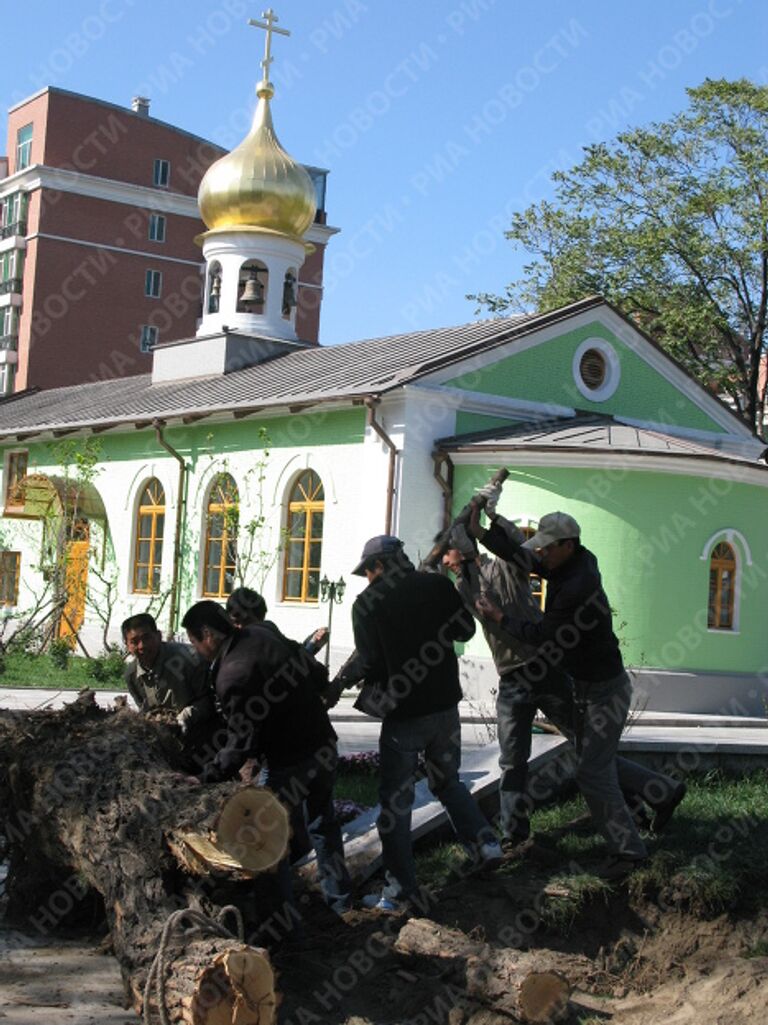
{"points": [[10, 573], [224, 501], [722, 561], [310, 500], [152, 505]]}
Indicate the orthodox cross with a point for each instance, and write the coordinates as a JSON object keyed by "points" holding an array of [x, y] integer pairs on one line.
{"points": [[269, 25]]}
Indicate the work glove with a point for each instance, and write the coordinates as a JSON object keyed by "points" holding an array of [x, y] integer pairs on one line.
{"points": [[490, 495], [184, 719], [461, 540]]}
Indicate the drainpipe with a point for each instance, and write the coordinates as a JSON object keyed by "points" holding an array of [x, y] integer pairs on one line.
{"points": [[180, 504], [371, 402]]}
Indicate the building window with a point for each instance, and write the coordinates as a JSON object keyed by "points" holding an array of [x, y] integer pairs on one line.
{"points": [[15, 472], [221, 527], [14, 215], [153, 282], [722, 587], [537, 583], [150, 525], [149, 336], [156, 228], [10, 565], [23, 147], [161, 173], [596, 369], [306, 504], [7, 377]]}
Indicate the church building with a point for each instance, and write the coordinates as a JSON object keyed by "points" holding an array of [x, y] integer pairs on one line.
{"points": [[250, 456]]}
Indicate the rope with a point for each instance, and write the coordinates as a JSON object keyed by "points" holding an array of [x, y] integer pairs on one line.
{"points": [[202, 923]]}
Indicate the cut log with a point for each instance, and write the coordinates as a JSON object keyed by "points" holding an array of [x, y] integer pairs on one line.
{"points": [[250, 836], [216, 982], [512, 982], [95, 796]]}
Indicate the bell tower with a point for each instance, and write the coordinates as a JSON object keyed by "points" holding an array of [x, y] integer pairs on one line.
{"points": [[257, 202]]}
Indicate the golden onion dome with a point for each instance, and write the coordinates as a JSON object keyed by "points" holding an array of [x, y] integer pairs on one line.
{"points": [[258, 185]]}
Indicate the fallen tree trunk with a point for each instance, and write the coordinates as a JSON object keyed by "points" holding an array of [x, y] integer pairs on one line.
{"points": [[91, 799], [512, 982]]}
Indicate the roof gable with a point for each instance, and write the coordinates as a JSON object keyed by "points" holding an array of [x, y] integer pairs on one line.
{"points": [[649, 386]]}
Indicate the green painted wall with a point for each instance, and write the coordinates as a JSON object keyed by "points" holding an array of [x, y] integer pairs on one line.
{"points": [[467, 423], [648, 531], [544, 373], [340, 427]]}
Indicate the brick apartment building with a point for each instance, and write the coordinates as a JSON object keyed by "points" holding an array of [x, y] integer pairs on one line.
{"points": [[98, 214]]}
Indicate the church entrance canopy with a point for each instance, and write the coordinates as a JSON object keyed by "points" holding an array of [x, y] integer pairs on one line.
{"points": [[38, 495]]}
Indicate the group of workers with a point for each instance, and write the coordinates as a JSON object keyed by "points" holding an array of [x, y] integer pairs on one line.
{"points": [[269, 697]]}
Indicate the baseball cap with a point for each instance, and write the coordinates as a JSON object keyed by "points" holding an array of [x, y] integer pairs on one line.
{"points": [[376, 548], [556, 526]]}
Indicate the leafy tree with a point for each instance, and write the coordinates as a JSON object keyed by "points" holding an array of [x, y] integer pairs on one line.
{"points": [[670, 223]]}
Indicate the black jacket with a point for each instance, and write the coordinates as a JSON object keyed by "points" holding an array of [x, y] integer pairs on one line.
{"points": [[405, 623], [576, 631], [272, 710]]}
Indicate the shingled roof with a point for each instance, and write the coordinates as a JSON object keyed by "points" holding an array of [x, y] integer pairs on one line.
{"points": [[302, 376]]}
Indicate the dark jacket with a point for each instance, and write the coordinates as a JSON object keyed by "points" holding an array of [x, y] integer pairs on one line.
{"points": [[177, 680], [576, 631], [272, 710], [405, 623]]}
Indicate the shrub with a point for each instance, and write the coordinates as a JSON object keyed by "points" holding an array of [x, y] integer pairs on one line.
{"points": [[60, 653], [107, 667]]}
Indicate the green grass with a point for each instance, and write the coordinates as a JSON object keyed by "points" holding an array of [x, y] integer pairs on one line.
{"points": [[559, 910], [710, 859], [25, 670], [434, 865], [363, 789]]}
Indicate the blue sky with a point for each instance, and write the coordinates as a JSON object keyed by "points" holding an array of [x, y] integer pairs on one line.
{"points": [[437, 119]]}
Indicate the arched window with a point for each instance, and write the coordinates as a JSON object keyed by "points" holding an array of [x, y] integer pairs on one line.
{"points": [[722, 587], [150, 526], [289, 293], [538, 584], [214, 287], [221, 526], [306, 502]]}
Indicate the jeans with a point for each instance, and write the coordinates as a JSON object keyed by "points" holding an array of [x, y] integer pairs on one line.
{"points": [[520, 694], [516, 705], [306, 789], [438, 737], [604, 713]]}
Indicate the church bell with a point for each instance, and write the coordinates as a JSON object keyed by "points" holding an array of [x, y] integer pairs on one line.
{"points": [[253, 292]]}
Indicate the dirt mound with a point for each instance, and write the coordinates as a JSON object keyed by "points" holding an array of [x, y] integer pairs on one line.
{"points": [[732, 991]]}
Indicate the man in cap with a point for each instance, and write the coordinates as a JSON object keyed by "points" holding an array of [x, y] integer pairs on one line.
{"points": [[576, 634], [526, 680], [405, 623]]}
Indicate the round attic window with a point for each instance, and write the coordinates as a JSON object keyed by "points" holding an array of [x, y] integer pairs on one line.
{"points": [[596, 369], [592, 369]]}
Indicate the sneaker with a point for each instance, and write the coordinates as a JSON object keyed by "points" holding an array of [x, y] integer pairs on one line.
{"points": [[665, 810], [618, 867], [491, 854], [378, 902]]}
